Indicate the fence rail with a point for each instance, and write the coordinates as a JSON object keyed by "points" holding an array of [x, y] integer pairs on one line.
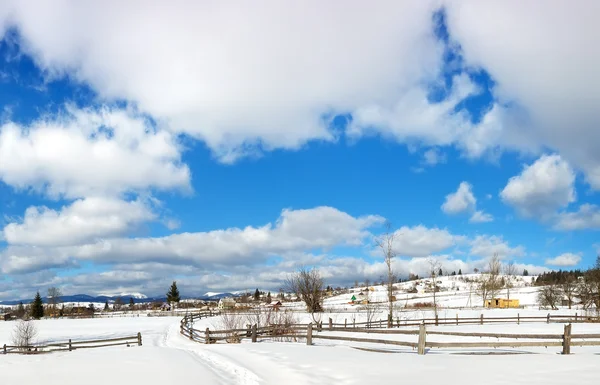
{"points": [[319, 331], [71, 345]]}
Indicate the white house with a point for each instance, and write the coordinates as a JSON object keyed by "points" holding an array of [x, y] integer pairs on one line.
{"points": [[226, 303]]}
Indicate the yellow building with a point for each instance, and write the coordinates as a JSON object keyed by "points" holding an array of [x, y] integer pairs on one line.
{"points": [[502, 303]]}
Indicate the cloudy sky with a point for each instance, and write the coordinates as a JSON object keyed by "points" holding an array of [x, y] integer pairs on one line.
{"points": [[225, 144]]}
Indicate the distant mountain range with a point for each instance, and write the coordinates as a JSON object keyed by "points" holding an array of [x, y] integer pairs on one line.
{"points": [[137, 298]]}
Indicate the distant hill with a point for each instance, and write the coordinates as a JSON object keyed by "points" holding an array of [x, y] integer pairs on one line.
{"points": [[125, 298]]}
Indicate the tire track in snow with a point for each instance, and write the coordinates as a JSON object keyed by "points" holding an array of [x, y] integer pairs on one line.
{"points": [[228, 371]]}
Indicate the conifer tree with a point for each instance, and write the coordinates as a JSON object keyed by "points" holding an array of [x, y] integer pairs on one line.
{"points": [[37, 307], [269, 297], [106, 306], [173, 294], [459, 272], [131, 303], [20, 310], [257, 295]]}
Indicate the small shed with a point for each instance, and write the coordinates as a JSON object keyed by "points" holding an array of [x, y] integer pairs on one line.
{"points": [[502, 303]]}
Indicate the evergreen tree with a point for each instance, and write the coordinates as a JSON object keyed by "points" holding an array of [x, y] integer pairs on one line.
{"points": [[269, 297], [37, 307], [173, 294], [91, 307], [106, 306], [525, 273], [459, 271], [257, 295], [440, 273], [131, 303]]}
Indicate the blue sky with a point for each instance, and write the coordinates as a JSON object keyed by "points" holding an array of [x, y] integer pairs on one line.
{"points": [[226, 152]]}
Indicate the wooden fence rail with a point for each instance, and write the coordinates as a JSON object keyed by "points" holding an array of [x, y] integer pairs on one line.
{"points": [[317, 331], [71, 345]]}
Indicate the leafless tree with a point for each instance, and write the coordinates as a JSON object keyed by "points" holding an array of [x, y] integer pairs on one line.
{"points": [[371, 308], [489, 284], [386, 243], [24, 334], [549, 296], [54, 297], [510, 270], [308, 285], [434, 267], [569, 288]]}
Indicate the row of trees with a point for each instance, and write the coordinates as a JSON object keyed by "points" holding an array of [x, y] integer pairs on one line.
{"points": [[574, 285]]}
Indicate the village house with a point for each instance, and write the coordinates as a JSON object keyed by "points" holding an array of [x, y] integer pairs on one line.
{"points": [[226, 304]]}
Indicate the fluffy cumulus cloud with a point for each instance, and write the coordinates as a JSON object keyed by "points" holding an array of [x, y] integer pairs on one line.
{"points": [[83, 221], [487, 246], [463, 200], [75, 154], [419, 241], [548, 73], [294, 231], [279, 78], [542, 187], [460, 201], [564, 260], [586, 217]]}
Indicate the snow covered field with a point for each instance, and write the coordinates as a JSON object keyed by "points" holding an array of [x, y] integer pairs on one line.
{"points": [[166, 357]]}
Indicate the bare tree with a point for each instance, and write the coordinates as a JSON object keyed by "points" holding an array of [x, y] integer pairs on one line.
{"points": [[308, 285], [434, 267], [231, 322], [489, 284], [371, 308], [24, 334], [569, 288], [549, 296], [386, 243], [54, 297], [510, 270]]}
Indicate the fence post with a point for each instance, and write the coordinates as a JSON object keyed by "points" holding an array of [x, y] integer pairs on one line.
{"points": [[254, 332], [309, 334], [575, 317], [567, 340], [248, 330], [207, 336], [4, 348], [390, 321], [380, 322], [436, 319], [140, 337], [518, 319], [422, 334], [548, 318], [70, 346], [481, 318], [456, 318], [330, 323], [320, 326], [345, 322], [398, 322]]}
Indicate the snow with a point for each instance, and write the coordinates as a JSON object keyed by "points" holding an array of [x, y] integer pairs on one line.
{"points": [[166, 357]]}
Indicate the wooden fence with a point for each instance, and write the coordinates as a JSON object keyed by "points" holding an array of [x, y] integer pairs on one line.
{"points": [[71, 345], [311, 331]]}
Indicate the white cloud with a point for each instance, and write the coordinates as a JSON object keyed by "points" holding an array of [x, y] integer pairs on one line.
{"points": [[481, 217], [486, 246], [460, 201], [294, 231], [587, 217], [548, 72], [261, 84], [85, 220], [542, 188], [564, 260], [421, 241], [90, 152]]}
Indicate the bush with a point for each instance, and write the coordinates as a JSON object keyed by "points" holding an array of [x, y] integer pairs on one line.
{"points": [[24, 334]]}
